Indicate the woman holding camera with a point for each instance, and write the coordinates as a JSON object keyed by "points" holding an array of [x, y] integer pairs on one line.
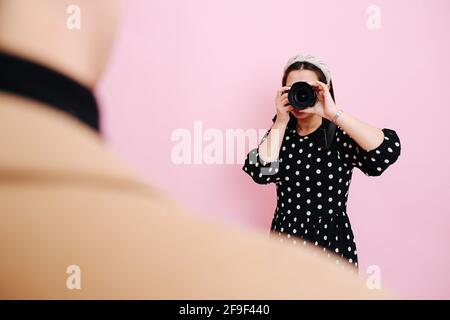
{"points": [[312, 181]]}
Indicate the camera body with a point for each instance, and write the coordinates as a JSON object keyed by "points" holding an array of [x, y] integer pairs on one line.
{"points": [[301, 95]]}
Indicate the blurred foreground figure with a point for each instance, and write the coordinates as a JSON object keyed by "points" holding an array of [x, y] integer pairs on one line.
{"points": [[65, 200]]}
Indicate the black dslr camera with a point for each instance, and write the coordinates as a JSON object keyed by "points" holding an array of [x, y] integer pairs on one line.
{"points": [[301, 95]]}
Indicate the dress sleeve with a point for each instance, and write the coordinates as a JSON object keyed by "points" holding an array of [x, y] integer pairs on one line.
{"points": [[372, 162], [262, 172]]}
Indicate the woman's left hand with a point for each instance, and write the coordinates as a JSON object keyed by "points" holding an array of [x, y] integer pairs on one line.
{"points": [[325, 106]]}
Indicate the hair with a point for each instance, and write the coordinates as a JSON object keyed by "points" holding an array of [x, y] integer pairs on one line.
{"points": [[303, 65]]}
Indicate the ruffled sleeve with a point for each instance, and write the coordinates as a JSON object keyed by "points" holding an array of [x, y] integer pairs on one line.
{"points": [[262, 172], [372, 162]]}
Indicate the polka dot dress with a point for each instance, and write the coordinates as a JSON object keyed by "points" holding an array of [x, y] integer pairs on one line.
{"points": [[312, 186]]}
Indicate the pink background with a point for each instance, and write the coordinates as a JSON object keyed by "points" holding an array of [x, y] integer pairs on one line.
{"points": [[221, 62]]}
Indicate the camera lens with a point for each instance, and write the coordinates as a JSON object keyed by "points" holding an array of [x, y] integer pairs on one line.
{"points": [[302, 95]]}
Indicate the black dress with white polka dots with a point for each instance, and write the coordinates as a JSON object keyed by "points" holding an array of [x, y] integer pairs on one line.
{"points": [[312, 186]]}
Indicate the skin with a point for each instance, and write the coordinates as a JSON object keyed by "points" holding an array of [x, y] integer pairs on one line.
{"points": [[82, 54], [367, 136]]}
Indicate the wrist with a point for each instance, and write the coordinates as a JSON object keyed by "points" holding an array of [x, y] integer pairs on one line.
{"points": [[282, 122], [334, 116], [329, 115]]}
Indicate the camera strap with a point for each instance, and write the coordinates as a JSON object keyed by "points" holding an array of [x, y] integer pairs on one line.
{"points": [[36, 81], [327, 133]]}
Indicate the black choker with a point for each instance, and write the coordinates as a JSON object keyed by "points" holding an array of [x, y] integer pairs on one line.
{"points": [[35, 81]]}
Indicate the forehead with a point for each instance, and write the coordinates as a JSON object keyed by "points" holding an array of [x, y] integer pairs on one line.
{"points": [[301, 75]]}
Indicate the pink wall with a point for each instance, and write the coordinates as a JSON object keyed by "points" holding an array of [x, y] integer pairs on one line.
{"points": [[221, 61]]}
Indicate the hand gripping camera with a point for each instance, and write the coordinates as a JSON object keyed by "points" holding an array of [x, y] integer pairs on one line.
{"points": [[302, 95]]}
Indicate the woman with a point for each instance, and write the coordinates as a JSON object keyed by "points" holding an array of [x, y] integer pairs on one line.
{"points": [[312, 181]]}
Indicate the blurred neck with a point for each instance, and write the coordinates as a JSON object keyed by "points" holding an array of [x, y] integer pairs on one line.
{"points": [[36, 30]]}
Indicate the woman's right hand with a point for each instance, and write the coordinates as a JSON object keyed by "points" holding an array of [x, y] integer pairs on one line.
{"points": [[282, 104]]}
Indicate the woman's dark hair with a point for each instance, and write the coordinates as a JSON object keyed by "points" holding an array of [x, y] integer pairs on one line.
{"points": [[303, 66]]}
